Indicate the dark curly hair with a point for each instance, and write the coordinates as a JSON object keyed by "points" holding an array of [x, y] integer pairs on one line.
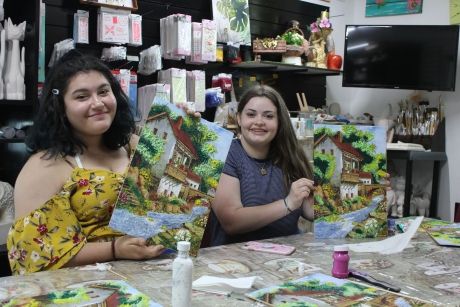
{"points": [[52, 131], [285, 150]]}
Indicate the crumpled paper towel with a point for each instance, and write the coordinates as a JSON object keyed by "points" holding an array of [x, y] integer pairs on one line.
{"points": [[392, 245], [221, 285]]}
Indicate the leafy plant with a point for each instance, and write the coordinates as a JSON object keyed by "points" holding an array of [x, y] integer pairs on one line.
{"points": [[293, 38]]}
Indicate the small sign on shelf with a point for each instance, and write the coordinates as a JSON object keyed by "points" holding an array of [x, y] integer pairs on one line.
{"points": [[115, 4]]}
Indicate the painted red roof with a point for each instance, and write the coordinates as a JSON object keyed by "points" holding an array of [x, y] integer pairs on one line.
{"points": [[346, 147], [365, 175], [193, 176], [182, 136]]}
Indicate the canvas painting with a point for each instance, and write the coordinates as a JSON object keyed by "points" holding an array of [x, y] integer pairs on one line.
{"points": [[109, 293], [232, 19], [376, 8], [349, 164], [322, 290], [447, 235], [172, 178]]}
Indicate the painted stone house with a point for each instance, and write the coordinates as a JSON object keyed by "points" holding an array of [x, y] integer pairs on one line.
{"points": [[347, 174], [175, 173]]}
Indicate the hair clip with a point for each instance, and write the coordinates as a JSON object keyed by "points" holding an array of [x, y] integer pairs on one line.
{"points": [[55, 91]]}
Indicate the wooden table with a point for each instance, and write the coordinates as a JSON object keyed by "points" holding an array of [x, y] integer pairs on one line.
{"points": [[423, 270]]}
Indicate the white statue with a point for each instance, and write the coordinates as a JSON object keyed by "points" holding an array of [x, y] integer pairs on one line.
{"points": [[13, 74], [2, 59], [391, 199], [398, 185], [420, 201]]}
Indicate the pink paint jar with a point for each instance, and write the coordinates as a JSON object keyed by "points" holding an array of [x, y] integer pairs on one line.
{"points": [[341, 259]]}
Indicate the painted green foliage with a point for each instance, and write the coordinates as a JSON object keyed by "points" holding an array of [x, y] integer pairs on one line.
{"points": [[324, 167], [374, 163], [236, 11], [202, 138], [348, 289], [149, 149]]}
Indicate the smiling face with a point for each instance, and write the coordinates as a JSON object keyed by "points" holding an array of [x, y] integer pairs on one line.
{"points": [[90, 104], [258, 122]]}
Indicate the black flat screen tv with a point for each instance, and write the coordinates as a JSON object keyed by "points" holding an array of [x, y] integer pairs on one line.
{"points": [[419, 57]]}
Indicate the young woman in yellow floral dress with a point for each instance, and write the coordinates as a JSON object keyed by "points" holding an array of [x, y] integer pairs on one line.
{"points": [[65, 194]]}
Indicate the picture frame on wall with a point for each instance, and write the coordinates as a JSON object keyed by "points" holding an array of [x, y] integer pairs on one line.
{"points": [[233, 22], [454, 12], [378, 8]]}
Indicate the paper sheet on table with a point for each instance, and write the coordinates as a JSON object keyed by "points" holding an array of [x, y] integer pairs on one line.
{"points": [[223, 285], [392, 245]]}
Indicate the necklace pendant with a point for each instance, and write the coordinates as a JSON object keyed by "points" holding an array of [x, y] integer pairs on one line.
{"points": [[263, 171]]}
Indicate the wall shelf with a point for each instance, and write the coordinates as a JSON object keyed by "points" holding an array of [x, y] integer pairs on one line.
{"points": [[13, 140], [4, 102], [133, 6], [279, 67]]}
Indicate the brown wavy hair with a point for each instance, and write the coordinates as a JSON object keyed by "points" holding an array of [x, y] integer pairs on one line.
{"points": [[285, 150]]}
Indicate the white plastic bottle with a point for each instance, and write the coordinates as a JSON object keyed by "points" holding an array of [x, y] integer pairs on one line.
{"points": [[182, 269]]}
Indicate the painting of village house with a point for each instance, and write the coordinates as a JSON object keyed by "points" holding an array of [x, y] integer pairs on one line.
{"points": [[322, 290], [172, 178], [351, 177]]}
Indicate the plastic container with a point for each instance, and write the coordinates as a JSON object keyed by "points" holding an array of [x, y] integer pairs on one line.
{"points": [[182, 269], [341, 260]]}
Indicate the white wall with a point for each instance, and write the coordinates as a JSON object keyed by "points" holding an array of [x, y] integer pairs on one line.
{"points": [[375, 101]]}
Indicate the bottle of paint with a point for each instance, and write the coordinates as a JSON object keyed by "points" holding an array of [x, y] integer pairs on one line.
{"points": [[182, 268], [341, 259]]}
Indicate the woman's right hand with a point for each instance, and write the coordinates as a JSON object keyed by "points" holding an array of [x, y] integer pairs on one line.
{"points": [[128, 247], [300, 190]]}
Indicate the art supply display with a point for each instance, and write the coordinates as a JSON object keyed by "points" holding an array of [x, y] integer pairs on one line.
{"points": [[341, 259], [172, 180], [322, 290], [80, 27], [135, 30], [112, 26], [182, 269]]}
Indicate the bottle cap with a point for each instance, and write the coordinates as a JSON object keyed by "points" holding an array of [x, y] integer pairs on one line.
{"points": [[340, 248], [183, 246]]}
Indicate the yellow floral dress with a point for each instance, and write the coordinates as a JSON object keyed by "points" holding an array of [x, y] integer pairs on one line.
{"points": [[51, 235]]}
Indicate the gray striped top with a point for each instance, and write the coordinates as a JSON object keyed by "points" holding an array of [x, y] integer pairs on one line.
{"points": [[256, 190]]}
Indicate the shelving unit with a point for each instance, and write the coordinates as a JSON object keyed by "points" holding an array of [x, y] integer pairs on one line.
{"points": [[410, 156], [132, 7], [19, 113], [13, 140]]}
